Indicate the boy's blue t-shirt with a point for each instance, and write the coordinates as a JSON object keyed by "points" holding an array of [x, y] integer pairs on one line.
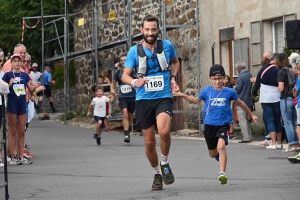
{"points": [[125, 90], [153, 70], [298, 89], [217, 112], [20, 78]]}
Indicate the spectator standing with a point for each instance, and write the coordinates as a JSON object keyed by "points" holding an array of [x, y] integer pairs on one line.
{"points": [[106, 77], [297, 95], [227, 83], [286, 82], [19, 49], [16, 108], [154, 100], [242, 87], [269, 97], [126, 100], [266, 59], [1, 132], [47, 83]]}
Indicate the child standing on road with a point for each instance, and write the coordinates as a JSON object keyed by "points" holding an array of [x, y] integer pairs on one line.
{"points": [[217, 115], [99, 105]]}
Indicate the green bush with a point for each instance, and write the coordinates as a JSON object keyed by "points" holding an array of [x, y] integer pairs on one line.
{"points": [[58, 75], [69, 116]]}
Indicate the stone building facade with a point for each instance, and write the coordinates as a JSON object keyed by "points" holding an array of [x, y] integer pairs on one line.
{"points": [[113, 31]]}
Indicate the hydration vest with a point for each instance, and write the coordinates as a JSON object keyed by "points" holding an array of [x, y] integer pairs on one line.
{"points": [[143, 59]]}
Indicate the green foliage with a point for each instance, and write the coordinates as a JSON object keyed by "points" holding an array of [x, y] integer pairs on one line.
{"points": [[69, 116], [258, 130], [287, 51], [58, 75], [11, 14]]}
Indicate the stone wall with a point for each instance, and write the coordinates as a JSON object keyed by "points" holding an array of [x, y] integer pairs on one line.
{"points": [[59, 99], [178, 12]]}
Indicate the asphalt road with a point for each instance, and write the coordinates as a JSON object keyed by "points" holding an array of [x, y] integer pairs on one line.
{"points": [[69, 165]]}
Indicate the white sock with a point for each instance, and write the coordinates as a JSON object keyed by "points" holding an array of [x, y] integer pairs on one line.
{"points": [[164, 159], [156, 170]]}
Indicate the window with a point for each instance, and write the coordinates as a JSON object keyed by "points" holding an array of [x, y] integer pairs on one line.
{"points": [[240, 53], [278, 37], [226, 34]]}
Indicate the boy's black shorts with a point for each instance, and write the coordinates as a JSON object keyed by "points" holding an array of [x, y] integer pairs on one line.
{"points": [[213, 133], [127, 102], [147, 111]]}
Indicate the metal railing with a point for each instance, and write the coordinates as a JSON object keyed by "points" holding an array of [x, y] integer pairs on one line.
{"points": [[4, 156]]}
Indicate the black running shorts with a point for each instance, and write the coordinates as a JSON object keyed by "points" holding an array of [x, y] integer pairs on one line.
{"points": [[147, 111], [213, 133], [48, 91], [127, 102]]}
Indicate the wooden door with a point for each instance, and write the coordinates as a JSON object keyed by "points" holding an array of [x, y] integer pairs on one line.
{"points": [[178, 116]]}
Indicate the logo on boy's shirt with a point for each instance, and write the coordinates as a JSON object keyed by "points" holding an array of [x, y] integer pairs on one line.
{"points": [[218, 101]]}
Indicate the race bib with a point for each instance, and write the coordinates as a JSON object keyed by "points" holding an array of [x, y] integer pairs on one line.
{"points": [[155, 83], [19, 89], [125, 89]]}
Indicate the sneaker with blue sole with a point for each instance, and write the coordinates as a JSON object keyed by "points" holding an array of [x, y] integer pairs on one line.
{"points": [[222, 178]]}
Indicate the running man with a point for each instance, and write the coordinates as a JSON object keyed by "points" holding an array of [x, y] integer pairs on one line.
{"points": [[154, 100], [126, 98]]}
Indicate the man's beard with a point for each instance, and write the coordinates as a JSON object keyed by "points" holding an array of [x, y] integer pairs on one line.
{"points": [[152, 41]]}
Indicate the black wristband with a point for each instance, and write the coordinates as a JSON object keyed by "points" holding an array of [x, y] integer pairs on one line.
{"points": [[174, 77]]}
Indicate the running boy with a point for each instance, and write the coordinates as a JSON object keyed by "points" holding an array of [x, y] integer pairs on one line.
{"points": [[217, 115], [99, 105]]}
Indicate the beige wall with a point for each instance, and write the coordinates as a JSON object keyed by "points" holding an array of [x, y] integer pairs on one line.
{"points": [[215, 15], [223, 13]]}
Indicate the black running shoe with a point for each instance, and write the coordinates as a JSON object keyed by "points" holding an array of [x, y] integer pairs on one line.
{"points": [[99, 141], [157, 183], [127, 138], [167, 174], [95, 136]]}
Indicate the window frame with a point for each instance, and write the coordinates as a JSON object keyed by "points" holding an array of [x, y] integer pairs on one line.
{"points": [[273, 35]]}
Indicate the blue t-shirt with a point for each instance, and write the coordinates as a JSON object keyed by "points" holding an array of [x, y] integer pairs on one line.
{"points": [[23, 80], [47, 77], [217, 111], [298, 89], [125, 90], [153, 70]]}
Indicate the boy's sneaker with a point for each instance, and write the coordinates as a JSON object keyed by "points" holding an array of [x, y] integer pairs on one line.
{"points": [[127, 138], [294, 159], [217, 157], [95, 136], [157, 183], [98, 140], [167, 174], [222, 178], [1, 164], [26, 161]]}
